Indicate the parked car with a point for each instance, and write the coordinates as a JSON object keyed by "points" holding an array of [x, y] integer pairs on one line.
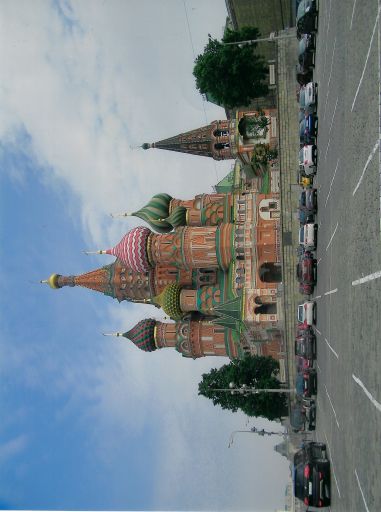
{"points": [[305, 345], [308, 129], [306, 51], [306, 314], [303, 180], [308, 159], [303, 415], [302, 364], [303, 75], [306, 273], [308, 200], [307, 205], [306, 383], [311, 475], [308, 97], [308, 236], [306, 18]]}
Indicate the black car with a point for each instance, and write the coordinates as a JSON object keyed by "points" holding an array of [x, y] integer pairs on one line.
{"points": [[303, 415], [306, 18], [312, 475], [305, 345], [306, 383], [303, 75]]}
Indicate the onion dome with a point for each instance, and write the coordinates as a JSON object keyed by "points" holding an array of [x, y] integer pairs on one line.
{"points": [[132, 249], [142, 335], [146, 145], [169, 300], [178, 217], [52, 281], [155, 211]]}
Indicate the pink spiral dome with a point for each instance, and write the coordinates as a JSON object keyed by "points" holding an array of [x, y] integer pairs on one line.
{"points": [[132, 249]]}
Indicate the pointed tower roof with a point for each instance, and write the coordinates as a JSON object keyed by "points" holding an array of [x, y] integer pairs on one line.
{"points": [[114, 280], [196, 142]]}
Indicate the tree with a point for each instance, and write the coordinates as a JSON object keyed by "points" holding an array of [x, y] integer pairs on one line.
{"points": [[254, 371], [231, 74]]}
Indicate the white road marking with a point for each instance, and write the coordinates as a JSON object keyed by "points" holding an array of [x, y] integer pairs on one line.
{"points": [[333, 115], [333, 409], [330, 347], [366, 166], [333, 465], [318, 261], [330, 76], [333, 177], [318, 367], [327, 148], [333, 234], [317, 297], [331, 291], [366, 60], [365, 279], [362, 494], [353, 12], [371, 398], [317, 330]]}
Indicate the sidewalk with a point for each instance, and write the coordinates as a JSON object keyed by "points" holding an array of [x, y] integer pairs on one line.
{"points": [[289, 189]]}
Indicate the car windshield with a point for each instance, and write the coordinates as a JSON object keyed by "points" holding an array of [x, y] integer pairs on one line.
{"points": [[299, 384], [299, 481], [301, 156], [301, 235], [301, 9], [302, 200], [302, 46], [302, 97]]}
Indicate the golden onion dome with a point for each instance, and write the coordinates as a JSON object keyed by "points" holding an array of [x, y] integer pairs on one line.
{"points": [[52, 281], [169, 301]]}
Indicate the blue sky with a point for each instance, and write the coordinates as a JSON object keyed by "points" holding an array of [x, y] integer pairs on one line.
{"points": [[91, 422]]}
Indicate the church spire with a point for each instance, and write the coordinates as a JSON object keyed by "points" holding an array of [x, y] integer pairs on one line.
{"points": [[212, 140]]}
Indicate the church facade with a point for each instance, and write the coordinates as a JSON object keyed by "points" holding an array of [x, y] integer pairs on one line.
{"points": [[211, 263]]}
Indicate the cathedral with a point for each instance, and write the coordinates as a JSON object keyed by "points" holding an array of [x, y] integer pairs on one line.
{"points": [[211, 263]]}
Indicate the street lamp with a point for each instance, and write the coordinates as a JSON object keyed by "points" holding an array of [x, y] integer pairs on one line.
{"points": [[254, 430], [272, 37]]}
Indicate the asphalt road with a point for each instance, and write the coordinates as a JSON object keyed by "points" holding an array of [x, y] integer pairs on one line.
{"points": [[349, 249]]}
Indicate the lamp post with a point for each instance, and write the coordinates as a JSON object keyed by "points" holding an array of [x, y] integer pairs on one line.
{"points": [[246, 390], [272, 37], [254, 430]]}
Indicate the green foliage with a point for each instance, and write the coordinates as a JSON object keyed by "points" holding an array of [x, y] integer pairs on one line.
{"points": [[254, 371], [255, 125], [231, 74]]}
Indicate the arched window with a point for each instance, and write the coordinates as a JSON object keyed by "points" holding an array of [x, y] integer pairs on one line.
{"points": [[270, 273]]}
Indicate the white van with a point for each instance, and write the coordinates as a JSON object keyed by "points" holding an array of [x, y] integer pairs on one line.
{"points": [[308, 236]]}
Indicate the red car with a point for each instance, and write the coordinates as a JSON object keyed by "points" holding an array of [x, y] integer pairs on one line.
{"points": [[306, 273]]}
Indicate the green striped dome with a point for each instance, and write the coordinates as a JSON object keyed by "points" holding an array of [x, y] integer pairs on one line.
{"points": [[155, 212], [178, 217], [169, 301]]}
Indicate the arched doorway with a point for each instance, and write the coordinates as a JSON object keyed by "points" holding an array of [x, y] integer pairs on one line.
{"points": [[270, 273]]}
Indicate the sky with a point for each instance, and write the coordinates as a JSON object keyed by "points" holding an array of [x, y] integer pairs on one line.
{"points": [[90, 422]]}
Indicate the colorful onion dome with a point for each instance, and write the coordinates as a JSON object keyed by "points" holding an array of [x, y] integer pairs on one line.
{"points": [[169, 300], [178, 217], [155, 212], [142, 335], [132, 249]]}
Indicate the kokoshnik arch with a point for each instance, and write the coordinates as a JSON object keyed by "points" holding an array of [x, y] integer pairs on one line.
{"points": [[212, 263]]}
